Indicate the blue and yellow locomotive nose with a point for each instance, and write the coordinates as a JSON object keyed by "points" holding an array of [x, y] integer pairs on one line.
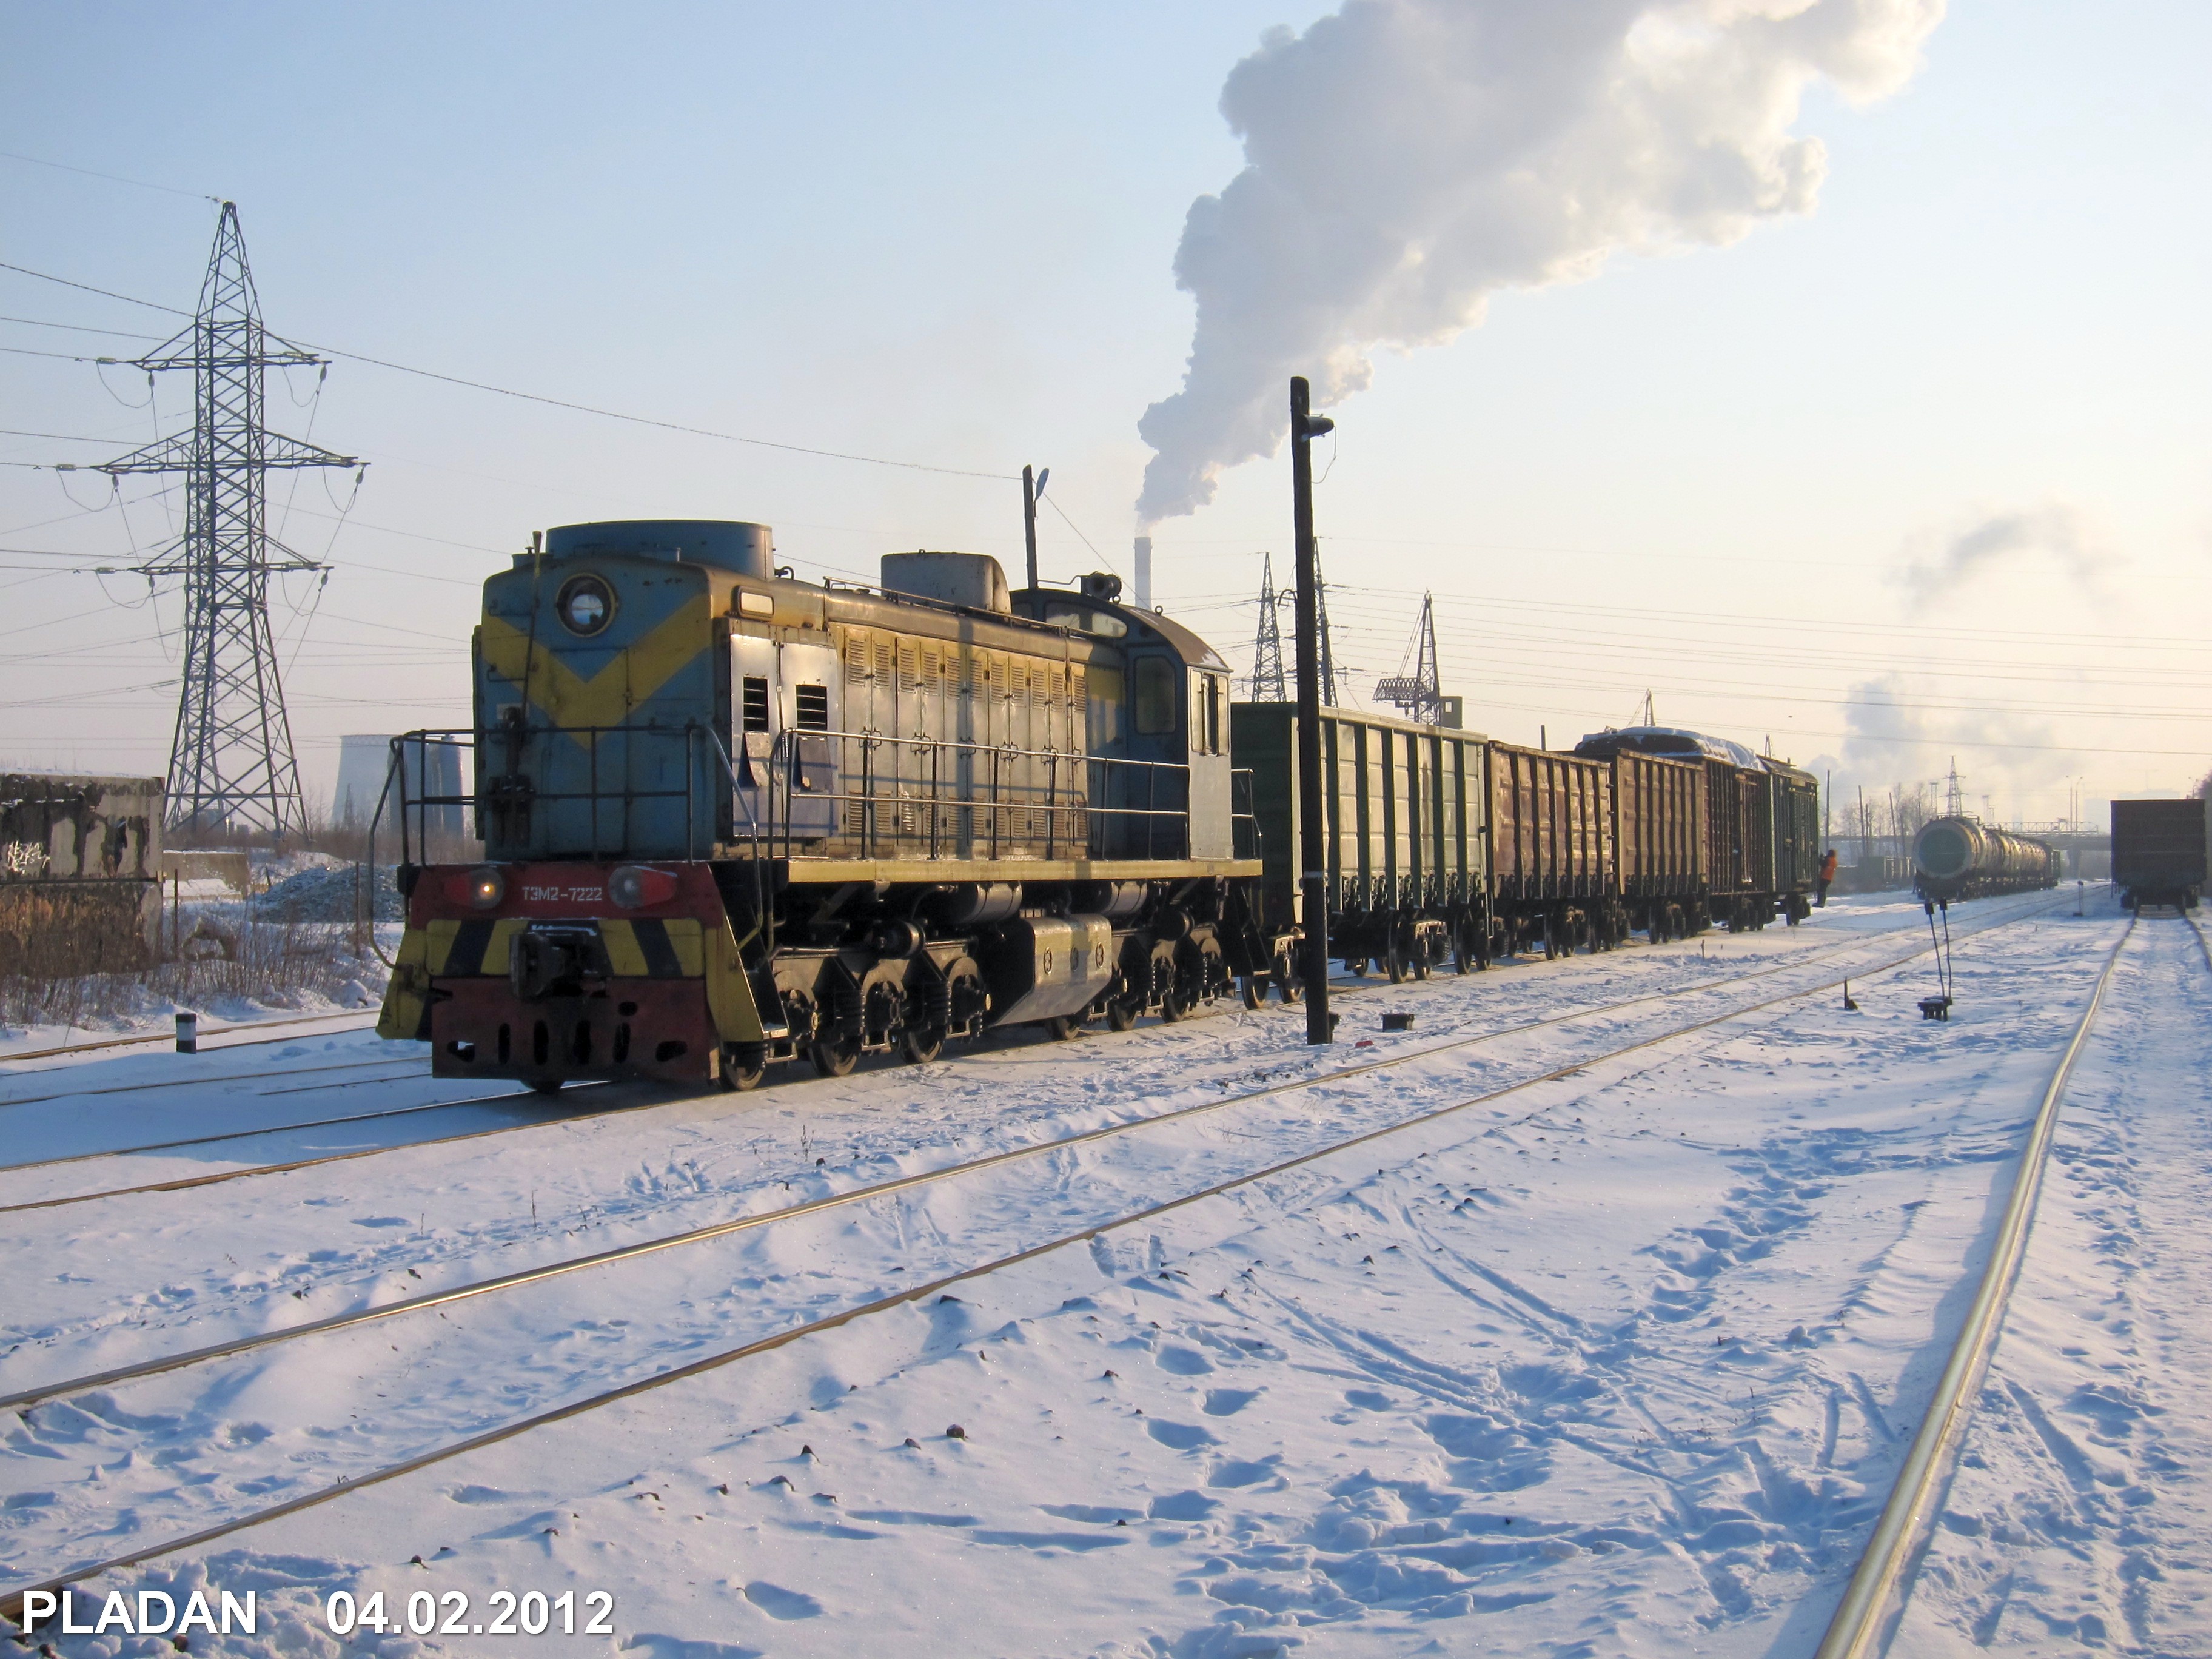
{"points": [[597, 688]]}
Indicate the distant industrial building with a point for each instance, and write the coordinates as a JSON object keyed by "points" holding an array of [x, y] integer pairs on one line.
{"points": [[430, 769]]}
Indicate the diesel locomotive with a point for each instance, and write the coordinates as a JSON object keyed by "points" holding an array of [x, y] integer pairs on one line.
{"points": [[730, 819]]}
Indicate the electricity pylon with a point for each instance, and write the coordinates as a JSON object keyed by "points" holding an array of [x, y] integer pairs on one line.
{"points": [[1421, 693], [230, 762], [1269, 684]]}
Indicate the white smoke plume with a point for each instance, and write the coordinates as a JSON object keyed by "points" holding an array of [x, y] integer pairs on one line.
{"points": [[2054, 531], [1407, 159]]}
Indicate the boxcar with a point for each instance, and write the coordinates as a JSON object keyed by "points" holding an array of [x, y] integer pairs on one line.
{"points": [[1405, 860], [1761, 825], [2158, 851]]}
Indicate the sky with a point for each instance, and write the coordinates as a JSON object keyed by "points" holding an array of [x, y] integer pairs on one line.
{"points": [[1908, 467]]}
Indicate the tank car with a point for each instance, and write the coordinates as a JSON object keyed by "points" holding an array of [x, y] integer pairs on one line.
{"points": [[1960, 858], [730, 819]]}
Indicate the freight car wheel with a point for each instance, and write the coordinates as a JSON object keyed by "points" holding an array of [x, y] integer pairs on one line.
{"points": [[1393, 964], [1062, 1027], [1123, 1015], [1283, 975], [919, 1045], [1252, 988], [744, 1066], [1177, 1001], [1356, 966]]}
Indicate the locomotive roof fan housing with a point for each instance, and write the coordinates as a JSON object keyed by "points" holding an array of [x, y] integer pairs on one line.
{"points": [[747, 548], [973, 580]]}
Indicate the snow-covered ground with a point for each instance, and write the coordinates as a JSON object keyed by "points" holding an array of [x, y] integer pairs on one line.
{"points": [[2081, 1513], [1621, 1362]]}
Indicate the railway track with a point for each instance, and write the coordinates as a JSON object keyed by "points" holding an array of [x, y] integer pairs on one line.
{"points": [[28, 1400], [1873, 1600], [290, 1167], [174, 1085], [360, 1022], [294, 1166]]}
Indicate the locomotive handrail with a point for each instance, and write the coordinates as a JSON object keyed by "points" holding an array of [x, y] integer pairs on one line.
{"points": [[978, 796], [769, 822]]}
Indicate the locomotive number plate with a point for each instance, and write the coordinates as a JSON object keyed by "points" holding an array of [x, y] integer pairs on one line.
{"points": [[579, 893]]}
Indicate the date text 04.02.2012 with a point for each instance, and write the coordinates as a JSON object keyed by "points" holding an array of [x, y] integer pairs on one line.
{"points": [[532, 1613]]}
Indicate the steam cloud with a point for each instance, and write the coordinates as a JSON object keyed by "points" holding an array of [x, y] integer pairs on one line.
{"points": [[1407, 159], [2054, 530]]}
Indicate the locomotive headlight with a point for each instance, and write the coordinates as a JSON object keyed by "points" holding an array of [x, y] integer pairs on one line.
{"points": [[633, 886], [481, 888], [585, 604]]}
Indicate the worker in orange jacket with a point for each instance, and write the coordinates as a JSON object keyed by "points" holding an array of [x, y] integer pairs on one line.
{"points": [[1827, 875]]}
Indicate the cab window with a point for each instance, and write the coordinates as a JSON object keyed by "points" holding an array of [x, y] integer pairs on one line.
{"points": [[1206, 711], [1153, 708]]}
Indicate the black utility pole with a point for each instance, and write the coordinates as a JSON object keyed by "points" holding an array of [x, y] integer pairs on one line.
{"points": [[1029, 520], [1313, 845]]}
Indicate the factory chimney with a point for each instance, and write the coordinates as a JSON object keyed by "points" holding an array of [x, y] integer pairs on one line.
{"points": [[1144, 573]]}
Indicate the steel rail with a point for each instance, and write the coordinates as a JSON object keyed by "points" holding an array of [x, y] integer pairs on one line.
{"points": [[11, 1604], [280, 1129], [1865, 1616], [165, 1036], [185, 1183], [180, 1083], [1816, 954], [30, 1398]]}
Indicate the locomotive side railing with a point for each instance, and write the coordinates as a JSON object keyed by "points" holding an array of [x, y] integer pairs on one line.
{"points": [[868, 794]]}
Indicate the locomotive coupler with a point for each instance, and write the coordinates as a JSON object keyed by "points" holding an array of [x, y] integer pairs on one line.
{"points": [[555, 962]]}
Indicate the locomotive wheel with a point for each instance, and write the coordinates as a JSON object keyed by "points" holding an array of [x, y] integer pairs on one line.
{"points": [[744, 1066], [920, 1044], [1252, 988], [834, 1054]]}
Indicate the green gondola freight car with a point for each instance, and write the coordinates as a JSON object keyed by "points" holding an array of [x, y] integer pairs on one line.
{"points": [[1406, 858]]}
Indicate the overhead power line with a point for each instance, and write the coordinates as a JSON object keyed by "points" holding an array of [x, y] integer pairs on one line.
{"points": [[538, 397], [111, 177]]}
